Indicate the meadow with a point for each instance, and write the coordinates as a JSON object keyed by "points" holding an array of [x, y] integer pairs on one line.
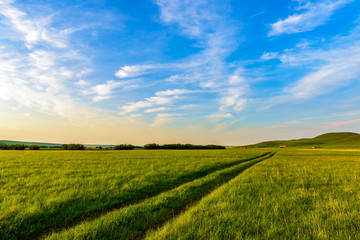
{"points": [[180, 194], [43, 191], [297, 194]]}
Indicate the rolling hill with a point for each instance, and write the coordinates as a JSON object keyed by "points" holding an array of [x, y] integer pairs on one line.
{"points": [[328, 140], [49, 144], [30, 143]]}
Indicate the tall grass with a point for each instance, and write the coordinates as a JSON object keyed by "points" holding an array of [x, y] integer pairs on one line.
{"points": [[42, 191], [294, 195], [133, 221]]}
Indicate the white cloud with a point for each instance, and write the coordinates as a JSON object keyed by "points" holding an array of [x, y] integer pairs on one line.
{"points": [[42, 59], [220, 115], [160, 98], [164, 118], [191, 16], [315, 14], [174, 92], [104, 91], [82, 83], [206, 22], [133, 71], [334, 66], [159, 109], [147, 102], [34, 31], [269, 55], [233, 96], [326, 79], [35, 78]]}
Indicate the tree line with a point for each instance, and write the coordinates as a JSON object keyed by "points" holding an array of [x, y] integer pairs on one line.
{"points": [[182, 146], [21, 146], [18, 146]]}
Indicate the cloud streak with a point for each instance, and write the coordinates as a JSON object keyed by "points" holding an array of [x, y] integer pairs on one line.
{"points": [[332, 67], [34, 31], [38, 75], [160, 98], [314, 15], [206, 22]]}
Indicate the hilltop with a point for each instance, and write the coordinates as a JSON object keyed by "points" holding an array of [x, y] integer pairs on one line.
{"points": [[48, 144], [328, 140], [30, 143]]}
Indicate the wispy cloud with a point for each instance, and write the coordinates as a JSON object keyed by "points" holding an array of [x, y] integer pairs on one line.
{"points": [[342, 123], [219, 115], [160, 98], [134, 70], [335, 66], [313, 15], [105, 91], [34, 31], [216, 36], [38, 76], [172, 92], [164, 118], [234, 95], [159, 109]]}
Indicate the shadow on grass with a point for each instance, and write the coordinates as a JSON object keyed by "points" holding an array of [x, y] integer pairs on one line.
{"points": [[134, 221], [70, 213]]}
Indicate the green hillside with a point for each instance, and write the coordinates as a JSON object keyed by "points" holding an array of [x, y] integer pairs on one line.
{"points": [[50, 144], [328, 140], [30, 143]]}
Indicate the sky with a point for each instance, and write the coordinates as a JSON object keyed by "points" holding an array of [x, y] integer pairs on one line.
{"points": [[178, 71]]}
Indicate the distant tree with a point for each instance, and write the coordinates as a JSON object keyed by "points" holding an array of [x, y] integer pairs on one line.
{"points": [[182, 146], [99, 147], [3, 146], [64, 146], [124, 147], [34, 147], [152, 146], [73, 147], [17, 146], [76, 147]]}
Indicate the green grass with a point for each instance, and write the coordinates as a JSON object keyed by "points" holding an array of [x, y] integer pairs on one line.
{"points": [[180, 194], [297, 194], [44, 191], [133, 221]]}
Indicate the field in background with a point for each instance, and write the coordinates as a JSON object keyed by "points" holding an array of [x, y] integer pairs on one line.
{"points": [[180, 194]]}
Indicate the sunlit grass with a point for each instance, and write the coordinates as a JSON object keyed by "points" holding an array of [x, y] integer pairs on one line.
{"points": [[133, 221], [296, 194], [44, 190]]}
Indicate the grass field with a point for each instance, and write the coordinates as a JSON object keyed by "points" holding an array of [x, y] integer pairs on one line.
{"points": [[296, 194], [186, 194], [44, 191]]}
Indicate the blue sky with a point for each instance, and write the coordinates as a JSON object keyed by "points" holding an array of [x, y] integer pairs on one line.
{"points": [[224, 72]]}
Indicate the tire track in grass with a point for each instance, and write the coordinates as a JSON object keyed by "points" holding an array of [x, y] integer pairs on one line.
{"points": [[132, 222], [60, 217]]}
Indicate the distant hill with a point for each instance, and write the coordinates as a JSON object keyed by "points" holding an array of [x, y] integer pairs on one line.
{"points": [[30, 143], [48, 144], [328, 140]]}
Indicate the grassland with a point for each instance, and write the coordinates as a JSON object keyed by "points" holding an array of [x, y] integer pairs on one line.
{"points": [[297, 194], [45, 191], [184, 194]]}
